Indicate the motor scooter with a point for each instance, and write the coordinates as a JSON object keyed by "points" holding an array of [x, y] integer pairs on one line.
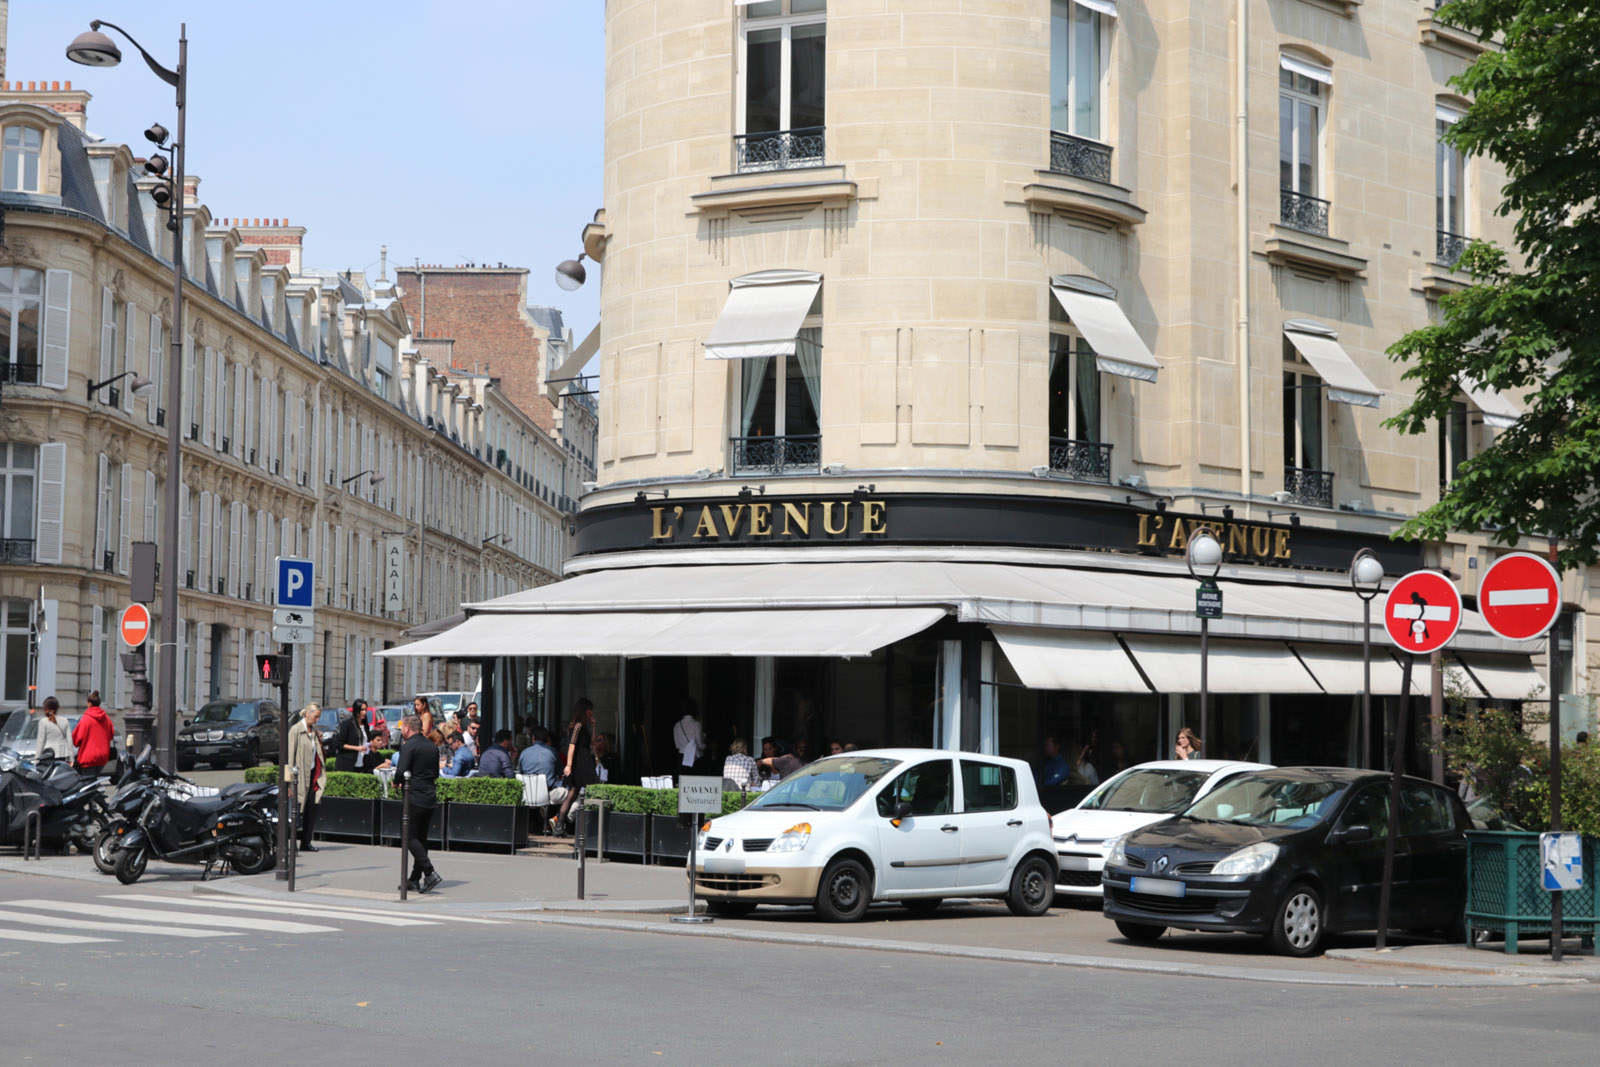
{"points": [[155, 820]]}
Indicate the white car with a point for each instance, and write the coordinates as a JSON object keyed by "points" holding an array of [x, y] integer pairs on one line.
{"points": [[898, 824], [1132, 800]]}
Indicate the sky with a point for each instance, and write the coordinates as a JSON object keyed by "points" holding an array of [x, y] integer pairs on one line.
{"points": [[453, 132]]}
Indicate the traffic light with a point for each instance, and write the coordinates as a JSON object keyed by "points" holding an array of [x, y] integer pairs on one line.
{"points": [[273, 669]]}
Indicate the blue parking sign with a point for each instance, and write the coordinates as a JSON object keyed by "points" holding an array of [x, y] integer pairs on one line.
{"points": [[296, 582]]}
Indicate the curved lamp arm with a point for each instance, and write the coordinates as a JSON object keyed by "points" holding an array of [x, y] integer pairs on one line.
{"points": [[168, 76]]}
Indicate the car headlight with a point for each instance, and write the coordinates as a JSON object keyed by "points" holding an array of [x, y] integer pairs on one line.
{"points": [[1116, 855], [793, 839], [1252, 859]]}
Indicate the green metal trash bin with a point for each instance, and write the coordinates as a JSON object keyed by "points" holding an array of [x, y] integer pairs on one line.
{"points": [[1506, 894]]}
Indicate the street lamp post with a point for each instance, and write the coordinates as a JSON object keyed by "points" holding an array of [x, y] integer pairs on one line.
{"points": [[1366, 578], [95, 49], [1204, 557]]}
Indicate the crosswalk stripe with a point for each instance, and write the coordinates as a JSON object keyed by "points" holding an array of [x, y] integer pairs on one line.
{"points": [[106, 911], [76, 923], [324, 912], [52, 938], [433, 916]]}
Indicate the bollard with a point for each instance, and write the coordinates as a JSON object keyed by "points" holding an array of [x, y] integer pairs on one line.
{"points": [[33, 831], [405, 831], [293, 828], [583, 819]]}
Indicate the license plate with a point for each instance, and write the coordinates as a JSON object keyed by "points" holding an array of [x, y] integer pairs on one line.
{"points": [[1075, 863], [209, 750], [1158, 887], [723, 865]]}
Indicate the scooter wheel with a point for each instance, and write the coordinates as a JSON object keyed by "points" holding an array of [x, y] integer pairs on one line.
{"points": [[131, 864], [105, 852]]}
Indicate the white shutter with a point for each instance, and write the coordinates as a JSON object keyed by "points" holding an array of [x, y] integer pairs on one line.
{"points": [[150, 533], [187, 426], [101, 511], [264, 431], [202, 664], [57, 329], [130, 318], [97, 622], [180, 666], [240, 371], [157, 373], [52, 502], [203, 567], [233, 548], [183, 534], [263, 534], [252, 400], [338, 558], [286, 538], [338, 455], [307, 446], [220, 416], [125, 521], [108, 332], [207, 397]]}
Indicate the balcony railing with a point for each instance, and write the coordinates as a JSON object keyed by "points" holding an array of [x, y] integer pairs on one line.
{"points": [[161, 416], [779, 455], [1448, 247], [20, 373], [108, 560], [1080, 157], [1301, 212], [1086, 461], [778, 149], [16, 550], [188, 579], [1310, 487]]}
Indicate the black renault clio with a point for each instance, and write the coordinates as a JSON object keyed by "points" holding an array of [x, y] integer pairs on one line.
{"points": [[1294, 853]]}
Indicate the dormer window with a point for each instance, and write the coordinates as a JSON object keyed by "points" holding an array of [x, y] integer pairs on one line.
{"points": [[23, 145]]}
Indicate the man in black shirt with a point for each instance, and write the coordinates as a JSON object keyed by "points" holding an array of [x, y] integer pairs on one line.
{"points": [[419, 758]]}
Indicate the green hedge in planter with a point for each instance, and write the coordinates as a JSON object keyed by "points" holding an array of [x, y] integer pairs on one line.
{"points": [[479, 790], [362, 786], [267, 773], [626, 799]]}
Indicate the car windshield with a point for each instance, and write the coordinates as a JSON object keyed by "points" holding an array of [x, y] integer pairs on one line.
{"points": [[1259, 800], [17, 724], [827, 785], [1158, 789], [226, 713], [328, 719]]}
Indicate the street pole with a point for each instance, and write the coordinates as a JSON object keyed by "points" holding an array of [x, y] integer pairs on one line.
{"points": [[1366, 682], [1205, 679], [1393, 828], [1554, 655], [284, 874]]}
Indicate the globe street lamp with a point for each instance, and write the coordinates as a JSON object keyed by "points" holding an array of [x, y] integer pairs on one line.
{"points": [[1366, 578], [95, 49], [1204, 557]]}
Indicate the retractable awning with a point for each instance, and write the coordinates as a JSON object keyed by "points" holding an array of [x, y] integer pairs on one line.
{"points": [[1320, 347], [1338, 668], [1502, 677], [1084, 660], [782, 632], [1497, 410], [763, 314], [568, 371], [1092, 307], [1173, 665]]}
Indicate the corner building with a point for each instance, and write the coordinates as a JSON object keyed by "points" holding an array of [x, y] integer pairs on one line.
{"points": [[930, 333]]}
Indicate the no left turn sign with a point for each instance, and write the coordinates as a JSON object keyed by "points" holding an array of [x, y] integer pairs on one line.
{"points": [[1422, 612]]}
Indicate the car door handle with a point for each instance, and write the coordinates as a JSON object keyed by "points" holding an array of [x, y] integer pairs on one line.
{"points": [[1014, 822], [947, 828]]}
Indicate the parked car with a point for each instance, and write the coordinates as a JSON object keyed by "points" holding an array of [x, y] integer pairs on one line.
{"points": [[19, 736], [327, 725], [1295, 854], [446, 703], [230, 731], [1135, 798], [907, 825]]}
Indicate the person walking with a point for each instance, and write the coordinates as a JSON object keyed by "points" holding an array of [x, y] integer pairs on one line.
{"points": [[578, 770], [419, 758], [424, 714], [53, 735], [311, 777], [92, 736]]}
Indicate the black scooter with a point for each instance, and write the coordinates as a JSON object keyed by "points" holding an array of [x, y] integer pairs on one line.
{"points": [[71, 806], [228, 830]]}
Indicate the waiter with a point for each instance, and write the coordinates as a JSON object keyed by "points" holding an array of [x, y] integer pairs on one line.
{"points": [[419, 758]]}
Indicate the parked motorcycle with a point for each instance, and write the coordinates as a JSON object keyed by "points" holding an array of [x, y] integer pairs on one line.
{"points": [[132, 785], [71, 805], [153, 819]]}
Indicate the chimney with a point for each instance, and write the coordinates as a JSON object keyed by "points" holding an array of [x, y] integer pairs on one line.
{"points": [[60, 97]]}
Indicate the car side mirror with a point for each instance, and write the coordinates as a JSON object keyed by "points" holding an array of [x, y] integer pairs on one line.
{"points": [[902, 810], [1350, 835]]}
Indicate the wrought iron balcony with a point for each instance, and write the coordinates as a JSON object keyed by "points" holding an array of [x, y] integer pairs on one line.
{"points": [[222, 586], [1310, 487], [1301, 212], [16, 550], [1086, 461], [114, 397], [20, 373], [194, 431], [161, 416], [778, 149], [1448, 247], [779, 455], [108, 560], [1080, 157], [188, 579]]}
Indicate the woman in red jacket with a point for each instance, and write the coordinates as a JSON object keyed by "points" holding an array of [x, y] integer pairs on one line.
{"points": [[93, 736]]}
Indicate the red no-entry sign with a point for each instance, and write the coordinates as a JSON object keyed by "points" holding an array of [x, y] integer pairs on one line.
{"points": [[1422, 612], [1520, 596], [135, 625]]}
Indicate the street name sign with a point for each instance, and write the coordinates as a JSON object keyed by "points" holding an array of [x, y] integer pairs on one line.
{"points": [[1422, 612], [1520, 596], [135, 625], [1208, 600], [296, 582]]}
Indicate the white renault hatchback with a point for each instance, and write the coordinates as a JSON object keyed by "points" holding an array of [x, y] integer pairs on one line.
{"points": [[1130, 801], [907, 825]]}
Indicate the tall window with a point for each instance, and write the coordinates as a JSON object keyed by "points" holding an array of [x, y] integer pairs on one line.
{"points": [[17, 482], [21, 295], [14, 637], [1302, 421], [780, 407], [785, 81], [1077, 67], [1300, 99], [1455, 443], [1449, 182], [21, 159]]}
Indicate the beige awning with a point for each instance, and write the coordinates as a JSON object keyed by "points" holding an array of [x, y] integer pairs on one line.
{"points": [[1503, 677], [1497, 410], [1173, 665], [763, 314], [1083, 660], [1092, 307], [1320, 346], [1338, 668]]}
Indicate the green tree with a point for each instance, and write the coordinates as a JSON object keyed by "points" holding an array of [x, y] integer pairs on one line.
{"points": [[1530, 326]]}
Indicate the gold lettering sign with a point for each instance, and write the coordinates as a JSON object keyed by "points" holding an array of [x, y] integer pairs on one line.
{"points": [[758, 521], [1241, 540]]}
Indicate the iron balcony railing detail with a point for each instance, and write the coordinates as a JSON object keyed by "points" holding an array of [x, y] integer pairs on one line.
{"points": [[19, 373], [779, 149], [1086, 461], [1080, 157], [1448, 247], [16, 550], [1302, 212], [1307, 486], [779, 455]]}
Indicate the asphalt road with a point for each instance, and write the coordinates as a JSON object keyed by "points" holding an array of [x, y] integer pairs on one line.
{"points": [[165, 976]]}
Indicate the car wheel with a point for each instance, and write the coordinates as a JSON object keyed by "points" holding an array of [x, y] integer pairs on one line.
{"points": [[1298, 922], [105, 852], [845, 892], [1140, 933], [729, 909], [252, 756], [922, 905], [1033, 887], [130, 864]]}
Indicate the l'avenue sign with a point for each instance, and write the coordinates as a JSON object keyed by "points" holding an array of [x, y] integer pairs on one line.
{"points": [[762, 520]]}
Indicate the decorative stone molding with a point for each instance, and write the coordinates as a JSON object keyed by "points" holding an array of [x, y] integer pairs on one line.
{"points": [[1311, 255], [1099, 205], [758, 198], [1451, 39]]}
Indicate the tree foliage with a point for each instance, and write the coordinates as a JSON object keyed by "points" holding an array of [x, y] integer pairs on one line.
{"points": [[1529, 325]]}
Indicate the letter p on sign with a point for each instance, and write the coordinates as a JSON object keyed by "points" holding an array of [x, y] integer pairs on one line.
{"points": [[296, 583]]}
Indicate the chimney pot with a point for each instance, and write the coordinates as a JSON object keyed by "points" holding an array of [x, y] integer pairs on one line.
{"points": [[31, 85], [69, 87], [55, 87]]}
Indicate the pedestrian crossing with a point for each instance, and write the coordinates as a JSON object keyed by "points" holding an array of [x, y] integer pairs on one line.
{"points": [[169, 915]]}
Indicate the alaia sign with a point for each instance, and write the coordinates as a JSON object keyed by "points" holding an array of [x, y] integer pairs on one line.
{"points": [[394, 570]]}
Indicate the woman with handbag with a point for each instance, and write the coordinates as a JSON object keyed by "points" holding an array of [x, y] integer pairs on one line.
{"points": [[580, 766]]}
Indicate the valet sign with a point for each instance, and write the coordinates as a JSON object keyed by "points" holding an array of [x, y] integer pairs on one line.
{"points": [[1422, 612]]}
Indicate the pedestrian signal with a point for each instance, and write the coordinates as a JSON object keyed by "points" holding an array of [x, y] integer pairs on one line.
{"points": [[272, 669]]}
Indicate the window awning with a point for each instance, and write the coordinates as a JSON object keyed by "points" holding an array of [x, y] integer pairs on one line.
{"points": [[1092, 307], [1320, 347], [1084, 660], [1501, 677], [1315, 71], [783, 632], [763, 314], [1338, 668], [1497, 410], [1173, 665], [1105, 7]]}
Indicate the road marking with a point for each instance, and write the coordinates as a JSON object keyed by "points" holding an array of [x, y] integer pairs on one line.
{"points": [[296, 908], [106, 911], [76, 923], [1507, 598], [1428, 614], [53, 939], [433, 916]]}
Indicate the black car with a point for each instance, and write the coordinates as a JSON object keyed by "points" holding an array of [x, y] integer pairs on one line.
{"points": [[1294, 853], [230, 731]]}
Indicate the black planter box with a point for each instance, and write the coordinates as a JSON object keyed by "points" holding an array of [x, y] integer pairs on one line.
{"points": [[347, 818], [501, 825], [627, 834], [669, 838], [390, 812]]}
